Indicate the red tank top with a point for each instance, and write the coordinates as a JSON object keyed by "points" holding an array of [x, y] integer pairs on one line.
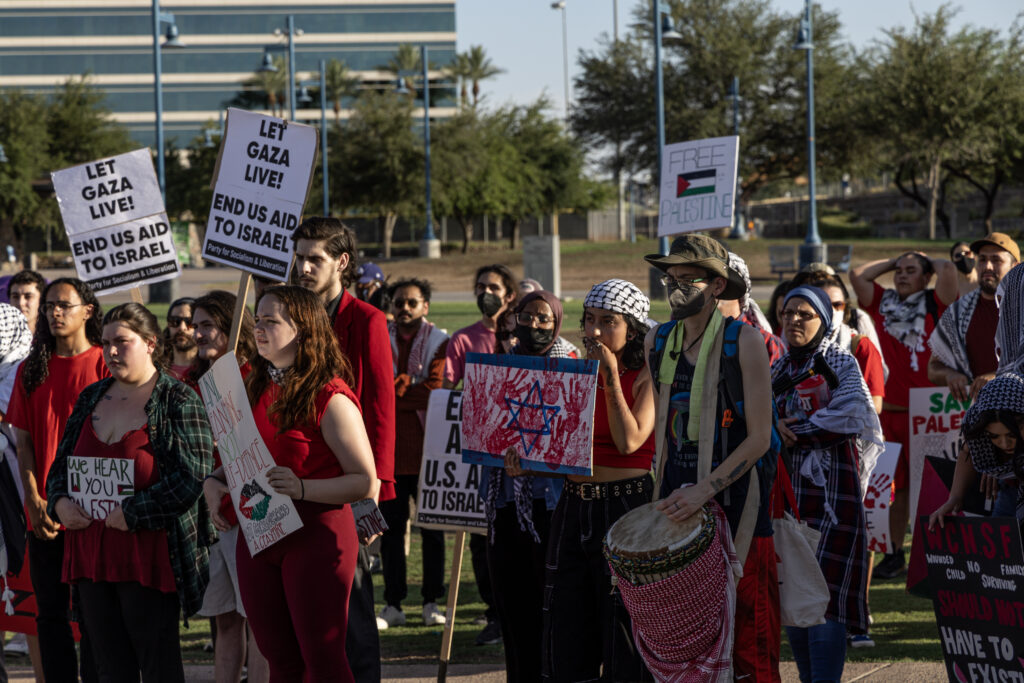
{"points": [[99, 553], [302, 448], [606, 453]]}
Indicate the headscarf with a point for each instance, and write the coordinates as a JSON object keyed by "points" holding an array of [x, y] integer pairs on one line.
{"points": [[15, 343], [1010, 330], [822, 305], [748, 307], [1001, 400], [556, 310], [619, 296], [849, 409]]}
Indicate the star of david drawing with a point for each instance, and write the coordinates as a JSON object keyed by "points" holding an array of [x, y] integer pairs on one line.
{"points": [[537, 403]]}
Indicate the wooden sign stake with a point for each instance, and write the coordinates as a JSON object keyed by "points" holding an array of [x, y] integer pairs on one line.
{"points": [[244, 282], [136, 295], [453, 596]]}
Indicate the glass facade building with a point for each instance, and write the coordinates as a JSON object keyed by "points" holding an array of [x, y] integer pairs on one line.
{"points": [[43, 42]]}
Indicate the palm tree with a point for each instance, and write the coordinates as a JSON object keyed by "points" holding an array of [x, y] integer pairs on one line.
{"points": [[479, 68], [340, 83], [273, 83], [459, 70], [406, 61]]}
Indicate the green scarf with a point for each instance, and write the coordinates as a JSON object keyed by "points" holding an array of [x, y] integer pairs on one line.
{"points": [[670, 360]]}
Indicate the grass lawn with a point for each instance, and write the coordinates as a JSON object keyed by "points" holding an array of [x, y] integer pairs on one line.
{"points": [[904, 628]]}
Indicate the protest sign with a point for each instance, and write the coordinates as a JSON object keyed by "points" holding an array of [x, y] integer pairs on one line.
{"points": [[935, 418], [698, 185], [878, 497], [114, 216], [540, 408], [976, 569], [448, 495], [261, 183], [100, 484], [264, 515]]}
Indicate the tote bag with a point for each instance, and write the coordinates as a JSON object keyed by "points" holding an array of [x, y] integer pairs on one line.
{"points": [[803, 592]]}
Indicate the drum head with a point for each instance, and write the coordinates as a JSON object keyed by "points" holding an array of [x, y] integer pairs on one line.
{"points": [[647, 532]]}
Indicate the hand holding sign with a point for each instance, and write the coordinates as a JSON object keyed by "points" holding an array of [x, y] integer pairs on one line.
{"points": [[71, 514]]}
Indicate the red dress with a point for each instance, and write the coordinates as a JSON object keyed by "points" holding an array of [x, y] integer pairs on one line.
{"points": [[100, 553], [606, 453]]}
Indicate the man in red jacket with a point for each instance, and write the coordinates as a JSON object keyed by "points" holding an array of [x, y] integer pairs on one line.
{"points": [[325, 254]]}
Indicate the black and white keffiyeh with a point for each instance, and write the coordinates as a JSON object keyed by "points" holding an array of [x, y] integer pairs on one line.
{"points": [[1010, 330], [1001, 400], [748, 306], [949, 339], [905, 319], [619, 296], [15, 343], [849, 409]]}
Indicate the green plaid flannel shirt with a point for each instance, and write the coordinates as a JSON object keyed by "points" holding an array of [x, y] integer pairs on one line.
{"points": [[183, 448]]}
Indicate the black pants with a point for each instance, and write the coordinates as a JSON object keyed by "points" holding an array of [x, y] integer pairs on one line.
{"points": [[516, 564], [585, 623], [362, 642], [478, 555], [134, 630], [53, 615], [392, 548]]}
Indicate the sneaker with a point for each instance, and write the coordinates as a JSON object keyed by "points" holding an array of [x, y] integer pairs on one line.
{"points": [[861, 640], [392, 616], [481, 620], [17, 646], [891, 566], [375, 565], [381, 624], [208, 646], [432, 615], [491, 635]]}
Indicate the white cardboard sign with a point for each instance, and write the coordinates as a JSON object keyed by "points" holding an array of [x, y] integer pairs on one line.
{"points": [[447, 497], [100, 484], [935, 419], [264, 515], [878, 498], [262, 180], [698, 185], [114, 216]]}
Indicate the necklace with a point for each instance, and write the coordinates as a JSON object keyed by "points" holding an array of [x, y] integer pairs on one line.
{"points": [[699, 337]]}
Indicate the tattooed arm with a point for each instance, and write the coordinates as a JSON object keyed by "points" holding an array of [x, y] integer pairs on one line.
{"points": [[757, 385], [630, 427]]}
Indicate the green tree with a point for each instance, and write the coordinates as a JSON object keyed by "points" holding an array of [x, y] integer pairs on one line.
{"points": [[189, 175], [459, 71], [341, 83], [377, 165], [404, 64], [80, 128], [479, 68], [946, 106], [23, 135], [273, 85]]}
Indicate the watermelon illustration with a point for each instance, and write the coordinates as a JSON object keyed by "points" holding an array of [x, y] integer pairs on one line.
{"points": [[253, 501]]}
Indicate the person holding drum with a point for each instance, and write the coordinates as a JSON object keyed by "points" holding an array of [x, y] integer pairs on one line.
{"points": [[519, 506], [828, 425], [586, 627], [704, 365]]}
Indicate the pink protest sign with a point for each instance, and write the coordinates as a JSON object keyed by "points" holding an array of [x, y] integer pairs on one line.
{"points": [[541, 408]]}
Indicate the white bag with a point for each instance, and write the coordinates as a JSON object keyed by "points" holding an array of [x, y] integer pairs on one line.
{"points": [[803, 592]]}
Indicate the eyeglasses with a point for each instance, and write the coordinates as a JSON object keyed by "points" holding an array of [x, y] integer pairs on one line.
{"points": [[669, 281], [527, 318], [412, 303], [177, 321], [62, 306], [839, 305], [802, 316]]}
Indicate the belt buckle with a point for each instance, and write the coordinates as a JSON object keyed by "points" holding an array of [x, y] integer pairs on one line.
{"points": [[586, 491]]}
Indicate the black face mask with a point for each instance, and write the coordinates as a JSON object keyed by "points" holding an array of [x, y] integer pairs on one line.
{"points": [[965, 264], [685, 300], [533, 340], [488, 303]]}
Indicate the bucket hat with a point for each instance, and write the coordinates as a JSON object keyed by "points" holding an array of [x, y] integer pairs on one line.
{"points": [[701, 251]]}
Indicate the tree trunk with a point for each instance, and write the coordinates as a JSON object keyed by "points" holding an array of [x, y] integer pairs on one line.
{"points": [[389, 230], [512, 232], [933, 197], [467, 231]]}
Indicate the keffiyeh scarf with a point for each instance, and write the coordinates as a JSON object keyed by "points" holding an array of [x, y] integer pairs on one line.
{"points": [[619, 296], [417, 353], [949, 340], [1004, 394], [15, 339], [905, 320], [749, 310], [1010, 330]]}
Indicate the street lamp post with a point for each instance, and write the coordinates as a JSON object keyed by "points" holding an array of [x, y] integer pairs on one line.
{"points": [[812, 250], [560, 5], [304, 98], [291, 32], [167, 290], [734, 94], [430, 246], [662, 30]]}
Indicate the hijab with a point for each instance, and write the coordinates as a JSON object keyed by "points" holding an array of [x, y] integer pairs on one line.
{"points": [[556, 310]]}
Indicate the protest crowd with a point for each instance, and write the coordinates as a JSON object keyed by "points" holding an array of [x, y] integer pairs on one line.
{"points": [[665, 501]]}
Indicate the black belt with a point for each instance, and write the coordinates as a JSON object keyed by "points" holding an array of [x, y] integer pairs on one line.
{"points": [[609, 489]]}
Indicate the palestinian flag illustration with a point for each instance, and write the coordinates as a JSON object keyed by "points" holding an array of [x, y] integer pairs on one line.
{"points": [[253, 501], [695, 182]]}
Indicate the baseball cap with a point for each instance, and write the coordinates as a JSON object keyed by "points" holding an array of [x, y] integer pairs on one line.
{"points": [[999, 239], [369, 272]]}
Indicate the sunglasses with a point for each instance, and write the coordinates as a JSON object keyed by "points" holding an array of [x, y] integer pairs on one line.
{"points": [[177, 321]]}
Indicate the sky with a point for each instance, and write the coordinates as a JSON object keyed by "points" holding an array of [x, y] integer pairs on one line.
{"points": [[524, 37]]}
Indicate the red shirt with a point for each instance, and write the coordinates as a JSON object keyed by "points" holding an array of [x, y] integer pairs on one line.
{"points": [[606, 453], [870, 362], [100, 553], [897, 356], [45, 413], [411, 404], [302, 448], [362, 333], [981, 346]]}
